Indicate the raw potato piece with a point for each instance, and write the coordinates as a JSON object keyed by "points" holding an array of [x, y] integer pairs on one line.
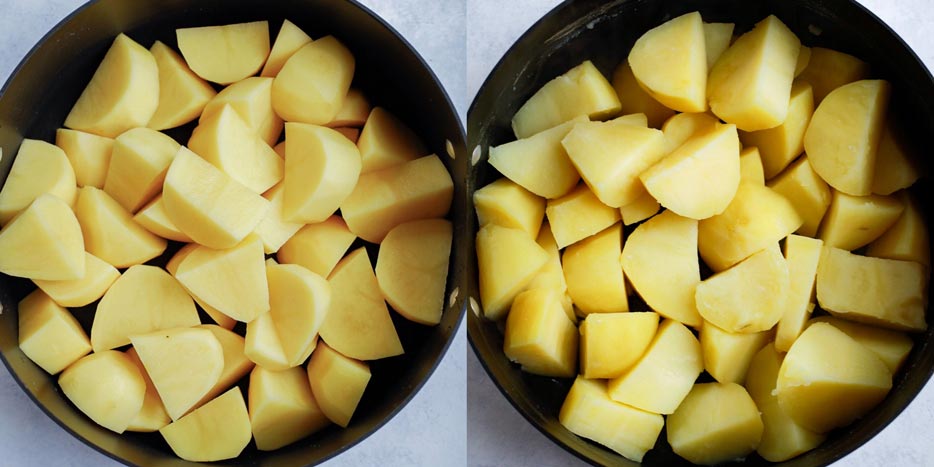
{"points": [[897, 166], [539, 163], [282, 408], [587, 411], [578, 215], [262, 346], [639, 210], [48, 334], [385, 141], [236, 363], [907, 239], [217, 430], [251, 98], [274, 230], [505, 203], [670, 63], [318, 247], [225, 54], [337, 383], [182, 94], [581, 91], [152, 416], [107, 387], [122, 94], [727, 354], [507, 260], [138, 165], [38, 168], [750, 166], [717, 422], [412, 269], [593, 273], [808, 193], [321, 171], [171, 266], [354, 112], [111, 234], [288, 41], [89, 155], [633, 99], [717, 38], [312, 85], [854, 221], [804, 59], [44, 242], [828, 69], [154, 219], [98, 277], [892, 347], [782, 144], [681, 127], [298, 305], [802, 255], [539, 336], [610, 343]]}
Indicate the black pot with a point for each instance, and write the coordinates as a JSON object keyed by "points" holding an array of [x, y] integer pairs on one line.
{"points": [[604, 32], [41, 91]]}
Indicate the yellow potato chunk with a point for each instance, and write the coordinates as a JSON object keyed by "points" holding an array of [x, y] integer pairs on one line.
{"points": [[717, 37], [581, 91], [88, 153], [311, 86], [717, 422], [110, 232], [539, 336], [804, 58], [282, 407], [681, 127], [844, 133], [855, 221], [505, 203], [587, 411], [43, 242], [610, 343], [385, 141], [107, 387], [38, 168], [644, 207], [236, 363], [321, 171], [578, 215], [551, 274], [262, 346], [672, 361], [298, 305], [507, 260], [274, 230], [337, 383], [171, 266], [318, 247], [829, 69], [354, 111], [98, 277], [48, 334], [288, 41], [884, 292], [539, 163], [750, 166], [225, 54], [727, 354], [593, 272], [153, 218], [828, 380], [251, 99], [780, 145], [809, 194], [633, 99], [122, 94], [217, 430], [892, 347], [907, 239], [670, 63], [152, 416], [182, 94], [802, 255], [138, 164], [897, 166]]}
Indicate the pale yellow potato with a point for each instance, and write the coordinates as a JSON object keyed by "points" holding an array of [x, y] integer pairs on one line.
{"points": [[43, 242], [593, 272], [312, 85], [717, 422], [855, 221], [844, 133], [225, 54], [386, 141], [153, 218], [907, 239], [171, 266], [48, 334], [122, 94], [670, 63], [38, 168], [717, 37], [507, 260], [782, 144], [578, 215], [828, 380], [216, 431], [804, 59], [354, 111], [802, 255], [750, 165], [318, 247], [262, 346], [89, 155], [673, 361], [274, 230], [152, 416], [751, 81], [681, 127], [892, 347], [727, 354], [138, 164], [582, 91], [107, 387], [298, 305], [236, 363], [587, 411], [505, 203], [539, 163], [251, 98], [539, 336], [884, 292], [288, 41], [282, 407], [897, 166], [829, 69], [337, 383], [98, 277], [644, 207], [321, 171], [809, 194], [111, 234], [634, 99], [610, 343], [182, 94], [551, 274]]}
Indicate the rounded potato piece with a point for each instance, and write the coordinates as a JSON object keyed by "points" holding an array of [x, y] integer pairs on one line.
{"points": [[593, 273], [539, 336], [217, 430], [670, 62], [140, 158], [154, 219], [251, 98], [321, 170], [48, 334], [38, 168], [354, 111], [554, 176], [282, 407], [274, 230], [152, 416], [385, 141], [634, 99], [107, 387], [578, 215], [610, 343], [508, 260], [89, 155], [319, 246], [508, 204], [298, 305], [288, 41], [313, 83], [681, 127], [236, 363], [182, 94], [225, 54], [337, 383], [171, 266], [111, 234], [43, 242], [98, 277]]}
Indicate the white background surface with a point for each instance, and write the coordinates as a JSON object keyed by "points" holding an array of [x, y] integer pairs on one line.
{"points": [[499, 436], [430, 431]]}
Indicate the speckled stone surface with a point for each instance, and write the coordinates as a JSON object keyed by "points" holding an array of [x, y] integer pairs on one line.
{"points": [[498, 435], [431, 430]]}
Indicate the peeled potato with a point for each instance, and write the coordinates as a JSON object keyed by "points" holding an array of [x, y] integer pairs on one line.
{"points": [[44, 242], [539, 336], [282, 407], [48, 334], [578, 215], [111, 234], [539, 163], [274, 230], [39, 168], [89, 155], [610, 343], [594, 276], [321, 171], [354, 112], [138, 164], [337, 383], [312, 84], [288, 41], [152, 416], [670, 62], [507, 261], [217, 430], [251, 99], [153, 218], [299, 303], [506, 203], [107, 386], [385, 141], [182, 94], [98, 277], [224, 54], [319, 246]]}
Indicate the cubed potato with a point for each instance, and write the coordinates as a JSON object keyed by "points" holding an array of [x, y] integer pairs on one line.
{"points": [[274, 230], [216, 431], [182, 94], [756, 218], [171, 266], [897, 166], [207, 204], [354, 111], [507, 260], [144, 299], [318, 247], [633, 99], [282, 407], [111, 234], [588, 411], [670, 63], [844, 132], [539, 336], [261, 344], [802, 255], [539, 163], [829, 69], [288, 41], [88, 153], [551, 274], [122, 94], [581, 91], [381, 200], [107, 387], [809, 194], [152, 416], [153, 218], [225, 54], [236, 363], [660, 260], [321, 171], [38, 168], [610, 156], [644, 207], [43, 242], [311, 86], [337, 383], [892, 347], [386, 141], [828, 380], [578, 215], [505, 203], [907, 239], [593, 272], [138, 164], [727, 354], [884, 292], [48, 334], [804, 58], [750, 83], [717, 37], [782, 144], [750, 166], [855, 221], [681, 181], [673, 361], [98, 277], [681, 127], [251, 99], [717, 422], [610, 343], [298, 305]]}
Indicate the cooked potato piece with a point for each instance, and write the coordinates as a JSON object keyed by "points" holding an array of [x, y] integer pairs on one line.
{"points": [[507, 261], [907, 239], [321, 171], [829, 69], [593, 273], [750, 166], [892, 347], [111, 234], [48, 334], [288, 41], [727, 354], [38, 168], [153, 218], [337, 383], [182, 94], [578, 215], [539, 163], [138, 164], [844, 132], [298, 305], [808, 193], [551, 274], [681, 127], [717, 422], [354, 111], [89, 155], [274, 230], [122, 94], [282, 407], [828, 380], [588, 412], [505, 203], [670, 63], [884, 292], [107, 387], [717, 37], [225, 54], [581, 91], [539, 336], [896, 165], [43, 242], [610, 343], [251, 99], [98, 277], [804, 58], [855, 221], [318, 247], [217, 430], [782, 144], [672, 361], [633, 99], [644, 207], [802, 255], [385, 141], [311, 86], [171, 266], [152, 416]]}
